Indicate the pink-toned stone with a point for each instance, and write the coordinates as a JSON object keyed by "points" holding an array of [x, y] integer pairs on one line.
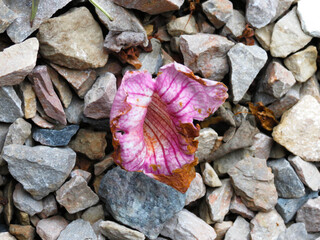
{"points": [[309, 214], [39, 121], [151, 6], [50, 228], [196, 190], [238, 207], [222, 228], [218, 200], [79, 172], [49, 100], [80, 81], [50, 207], [99, 99]]}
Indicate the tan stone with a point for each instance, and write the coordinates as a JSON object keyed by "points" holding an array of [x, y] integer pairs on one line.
{"points": [[22, 232], [104, 164], [182, 25], [222, 228], [210, 177], [264, 35], [29, 100], [115, 231]]}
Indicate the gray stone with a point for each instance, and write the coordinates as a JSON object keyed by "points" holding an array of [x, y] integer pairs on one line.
{"points": [[259, 13], [261, 146], [309, 214], [21, 28], [238, 207], [204, 212], [282, 8], [253, 181], [207, 138], [50, 228], [24, 202], [151, 6], [287, 35], [287, 208], [139, 201], [18, 132], [311, 87], [206, 54], [267, 226], [222, 228], [10, 105], [17, 61], [218, 12], [295, 231], [246, 62], [4, 128], [50, 207], [299, 129], [55, 138], [182, 25], [151, 61], [7, 16], [99, 99], [239, 230], [97, 230], [187, 226], [307, 12], [78, 229], [307, 172], [82, 173], [75, 195], [218, 200], [286, 180], [235, 25], [196, 190], [125, 30], [93, 214], [75, 110], [115, 231], [83, 46], [34, 169], [263, 35]]}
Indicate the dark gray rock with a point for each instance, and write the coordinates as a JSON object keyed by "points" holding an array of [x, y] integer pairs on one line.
{"points": [[39, 169], [295, 231], [287, 208], [10, 105], [286, 180], [139, 201], [55, 138], [78, 229]]}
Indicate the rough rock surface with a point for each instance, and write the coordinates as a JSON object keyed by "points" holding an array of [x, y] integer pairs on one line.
{"points": [[17, 61], [309, 214], [263, 35], [235, 25], [254, 183], [206, 54], [51, 228], [73, 40], [50, 207], [218, 12], [308, 15], [29, 100], [10, 105], [260, 12], [115, 231], [295, 231], [210, 177], [93, 214], [34, 169], [222, 228], [207, 138], [78, 229], [182, 25], [262, 146], [7, 16], [187, 226], [239, 230], [299, 129], [22, 232], [238, 207], [246, 62], [196, 190], [130, 196]]}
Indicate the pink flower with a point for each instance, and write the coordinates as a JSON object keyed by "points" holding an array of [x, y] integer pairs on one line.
{"points": [[152, 122]]}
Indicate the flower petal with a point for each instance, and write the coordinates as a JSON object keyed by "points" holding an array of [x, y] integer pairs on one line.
{"points": [[152, 122]]}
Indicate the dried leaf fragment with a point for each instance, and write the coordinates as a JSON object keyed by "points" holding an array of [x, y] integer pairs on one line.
{"points": [[264, 115]]}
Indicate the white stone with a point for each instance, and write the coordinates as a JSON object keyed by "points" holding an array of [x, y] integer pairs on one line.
{"points": [[6, 236], [182, 25], [260, 12], [210, 177], [207, 138], [115, 231], [235, 25], [239, 230], [308, 12]]}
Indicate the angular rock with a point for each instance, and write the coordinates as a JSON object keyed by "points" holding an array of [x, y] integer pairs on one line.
{"points": [[263, 35], [101, 166], [309, 214], [82, 173], [98, 100], [308, 15], [187, 226], [75, 195], [270, 231], [8, 208], [90, 143], [239, 230], [4, 128], [7, 16], [182, 25], [23, 218], [295, 231], [10, 105], [301, 135], [29, 100], [21, 28], [218, 200], [287, 35], [222, 228], [311, 87], [238, 207], [287, 182], [261, 146], [206, 54], [287, 208], [124, 31], [49, 207], [235, 25], [253, 181], [34, 169], [246, 62], [18, 132], [7, 236], [75, 110], [78, 229], [210, 177], [207, 138], [307, 172], [282, 8], [204, 212], [24, 202], [115, 231], [55, 138], [48, 98], [93, 214], [139, 201], [17, 61], [22, 232], [40, 122], [51, 228], [80, 81], [151, 6], [260, 12], [82, 49], [196, 190], [303, 64], [218, 12]]}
